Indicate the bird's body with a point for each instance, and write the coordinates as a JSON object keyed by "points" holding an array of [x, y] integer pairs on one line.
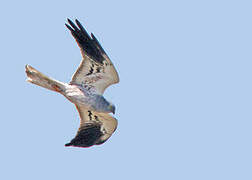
{"points": [[88, 99], [95, 73]]}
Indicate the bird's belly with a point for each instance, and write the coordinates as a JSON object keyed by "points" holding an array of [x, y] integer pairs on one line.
{"points": [[77, 96]]}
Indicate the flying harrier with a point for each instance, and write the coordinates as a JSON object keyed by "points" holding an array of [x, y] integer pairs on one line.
{"points": [[94, 74]]}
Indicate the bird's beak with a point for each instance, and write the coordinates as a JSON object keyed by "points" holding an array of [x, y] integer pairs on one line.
{"points": [[112, 109]]}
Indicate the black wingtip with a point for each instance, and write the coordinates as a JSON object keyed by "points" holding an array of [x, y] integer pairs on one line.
{"points": [[97, 43], [68, 144], [72, 24], [88, 45], [68, 27], [86, 136], [78, 23]]}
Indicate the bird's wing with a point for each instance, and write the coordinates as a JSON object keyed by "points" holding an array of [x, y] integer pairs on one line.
{"points": [[95, 128], [96, 69]]}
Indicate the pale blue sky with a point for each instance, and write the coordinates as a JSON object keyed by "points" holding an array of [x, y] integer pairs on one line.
{"points": [[183, 104]]}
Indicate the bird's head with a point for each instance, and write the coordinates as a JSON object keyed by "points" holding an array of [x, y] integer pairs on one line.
{"points": [[111, 108]]}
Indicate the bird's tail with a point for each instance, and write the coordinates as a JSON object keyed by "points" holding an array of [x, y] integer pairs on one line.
{"points": [[36, 77]]}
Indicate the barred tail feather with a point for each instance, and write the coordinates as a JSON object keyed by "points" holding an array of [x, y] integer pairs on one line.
{"points": [[36, 77]]}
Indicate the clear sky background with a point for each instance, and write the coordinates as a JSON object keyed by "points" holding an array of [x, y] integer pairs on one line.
{"points": [[183, 104]]}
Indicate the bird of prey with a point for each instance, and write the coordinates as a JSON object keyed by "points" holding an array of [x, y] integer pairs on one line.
{"points": [[95, 73]]}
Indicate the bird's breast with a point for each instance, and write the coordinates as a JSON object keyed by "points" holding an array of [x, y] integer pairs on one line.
{"points": [[80, 96]]}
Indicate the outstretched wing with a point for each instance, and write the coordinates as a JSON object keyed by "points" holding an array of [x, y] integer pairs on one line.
{"points": [[96, 70], [95, 128]]}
